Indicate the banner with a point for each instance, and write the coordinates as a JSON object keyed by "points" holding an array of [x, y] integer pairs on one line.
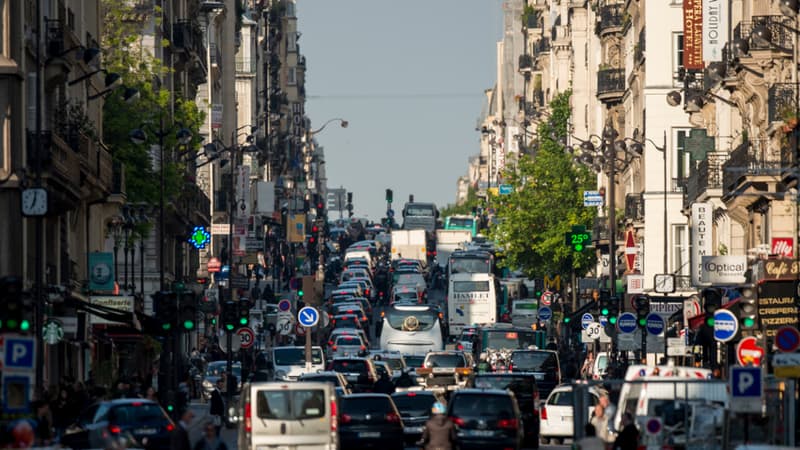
{"points": [[715, 29], [724, 270], [101, 271], [782, 247], [296, 228], [701, 238], [693, 34]]}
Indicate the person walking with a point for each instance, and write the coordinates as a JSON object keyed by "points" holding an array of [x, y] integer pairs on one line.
{"points": [[439, 432], [179, 440], [587, 370], [210, 440], [217, 405], [384, 385], [628, 438]]}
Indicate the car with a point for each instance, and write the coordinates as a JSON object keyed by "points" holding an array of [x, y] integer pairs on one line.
{"points": [[214, 371], [289, 362], [142, 421], [370, 421], [414, 361], [351, 291], [358, 290], [415, 410], [405, 293], [395, 360], [359, 372], [557, 412], [543, 363], [348, 345], [346, 321], [354, 272], [345, 331], [525, 389], [352, 308], [415, 280], [446, 370], [338, 380], [485, 418]]}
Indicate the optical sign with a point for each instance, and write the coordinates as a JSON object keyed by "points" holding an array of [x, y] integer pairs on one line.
{"points": [[200, 237]]}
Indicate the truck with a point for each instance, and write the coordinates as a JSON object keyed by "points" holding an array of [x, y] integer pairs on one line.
{"points": [[410, 244], [420, 216], [471, 299], [448, 241], [457, 222]]}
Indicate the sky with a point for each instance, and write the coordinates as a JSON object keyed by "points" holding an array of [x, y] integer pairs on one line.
{"points": [[409, 77]]}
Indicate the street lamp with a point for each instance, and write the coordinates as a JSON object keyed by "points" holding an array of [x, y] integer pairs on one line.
{"points": [[343, 123]]}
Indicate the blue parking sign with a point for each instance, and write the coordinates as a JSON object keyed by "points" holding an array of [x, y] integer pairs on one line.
{"points": [[19, 353]]}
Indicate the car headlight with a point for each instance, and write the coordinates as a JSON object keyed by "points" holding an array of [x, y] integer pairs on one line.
{"points": [[280, 374], [207, 385]]}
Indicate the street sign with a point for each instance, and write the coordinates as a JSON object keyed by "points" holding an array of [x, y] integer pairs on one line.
{"points": [[547, 298], [247, 337], [626, 323], [594, 330], [214, 265], [506, 189], [787, 339], [283, 324], [749, 353], [586, 320], [787, 365], [545, 313], [630, 250], [308, 316], [236, 342], [592, 198], [603, 321], [653, 426], [726, 325], [299, 330], [284, 305], [655, 324], [19, 353], [747, 389]]}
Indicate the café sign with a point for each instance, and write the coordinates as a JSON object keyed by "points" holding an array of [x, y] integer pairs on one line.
{"points": [[779, 269]]}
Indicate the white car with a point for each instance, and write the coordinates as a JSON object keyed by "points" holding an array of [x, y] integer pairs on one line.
{"points": [[348, 345], [290, 362], [555, 416]]}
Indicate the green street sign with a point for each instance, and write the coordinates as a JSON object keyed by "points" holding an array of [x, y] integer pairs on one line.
{"points": [[578, 240]]}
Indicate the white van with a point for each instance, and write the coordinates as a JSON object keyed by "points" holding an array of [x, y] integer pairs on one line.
{"points": [[296, 416], [290, 362], [524, 312]]}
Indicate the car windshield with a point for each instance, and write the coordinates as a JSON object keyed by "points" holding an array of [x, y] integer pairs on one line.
{"points": [[414, 360], [296, 356], [410, 278], [470, 286], [136, 413], [295, 404], [517, 384], [348, 340], [502, 339], [394, 363], [413, 404], [482, 405], [411, 320], [420, 210], [537, 361], [445, 360], [349, 365], [217, 370], [473, 264], [461, 222]]}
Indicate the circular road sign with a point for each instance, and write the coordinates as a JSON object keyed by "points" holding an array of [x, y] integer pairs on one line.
{"points": [[787, 339], [655, 324], [653, 426], [749, 353], [247, 337], [594, 330], [308, 316], [547, 298], [586, 320], [299, 330], [284, 305], [726, 325], [545, 313], [627, 323], [603, 320]]}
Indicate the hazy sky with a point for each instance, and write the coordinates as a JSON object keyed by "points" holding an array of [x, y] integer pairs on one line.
{"points": [[409, 77]]}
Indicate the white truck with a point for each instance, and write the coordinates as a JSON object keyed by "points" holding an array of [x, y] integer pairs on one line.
{"points": [[448, 241], [471, 299], [410, 244]]}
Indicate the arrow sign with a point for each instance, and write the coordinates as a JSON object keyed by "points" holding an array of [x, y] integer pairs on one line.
{"points": [[308, 316]]}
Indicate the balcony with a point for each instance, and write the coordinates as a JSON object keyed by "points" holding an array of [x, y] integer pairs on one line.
{"points": [[182, 35], [634, 207], [525, 63], [780, 36], [58, 163], [247, 65], [542, 46], [610, 85], [706, 180], [612, 19], [782, 104], [752, 166]]}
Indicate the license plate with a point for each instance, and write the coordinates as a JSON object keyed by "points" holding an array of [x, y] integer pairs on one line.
{"points": [[368, 434], [480, 433], [442, 370], [566, 418], [273, 447], [146, 431], [411, 430], [538, 376]]}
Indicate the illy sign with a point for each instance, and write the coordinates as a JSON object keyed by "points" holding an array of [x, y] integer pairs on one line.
{"points": [[782, 246], [701, 238], [723, 270]]}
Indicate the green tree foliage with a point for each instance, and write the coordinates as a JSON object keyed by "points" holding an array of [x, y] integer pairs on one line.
{"points": [[465, 208], [155, 110], [547, 200]]}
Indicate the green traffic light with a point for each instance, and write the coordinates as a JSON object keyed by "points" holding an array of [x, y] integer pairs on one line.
{"points": [[166, 326], [243, 321], [567, 319], [25, 325], [604, 312], [642, 322], [214, 321], [188, 325], [170, 408], [710, 321], [229, 326], [748, 322], [612, 320], [12, 324], [300, 293]]}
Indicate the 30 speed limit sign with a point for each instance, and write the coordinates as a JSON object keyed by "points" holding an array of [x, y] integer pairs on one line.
{"points": [[593, 330], [247, 337]]}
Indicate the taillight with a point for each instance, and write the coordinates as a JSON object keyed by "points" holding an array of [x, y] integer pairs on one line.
{"points": [[347, 418], [511, 424], [170, 427], [363, 347], [460, 347], [248, 418], [543, 414], [458, 421], [366, 291], [330, 343], [392, 418], [334, 416], [511, 367], [334, 348], [114, 429]]}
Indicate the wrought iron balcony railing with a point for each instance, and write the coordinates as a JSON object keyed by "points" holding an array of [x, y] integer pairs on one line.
{"points": [[783, 102], [610, 81], [708, 175], [525, 63], [780, 34], [751, 158], [634, 207], [611, 18]]}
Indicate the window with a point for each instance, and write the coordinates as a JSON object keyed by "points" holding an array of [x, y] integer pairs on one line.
{"points": [[677, 54], [680, 250], [291, 42], [291, 76], [682, 166], [290, 405]]}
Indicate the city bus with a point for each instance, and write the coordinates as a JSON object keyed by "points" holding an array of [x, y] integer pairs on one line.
{"points": [[471, 299], [461, 223], [411, 329]]}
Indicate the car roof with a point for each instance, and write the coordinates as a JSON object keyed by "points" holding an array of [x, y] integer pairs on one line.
{"points": [[477, 391], [447, 352], [413, 394], [127, 401], [367, 395]]}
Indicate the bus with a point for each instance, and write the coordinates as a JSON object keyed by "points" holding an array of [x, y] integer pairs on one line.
{"points": [[469, 262], [411, 329], [468, 223], [471, 299]]}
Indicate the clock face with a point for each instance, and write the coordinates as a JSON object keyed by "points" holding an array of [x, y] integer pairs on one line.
{"points": [[665, 283], [34, 202]]}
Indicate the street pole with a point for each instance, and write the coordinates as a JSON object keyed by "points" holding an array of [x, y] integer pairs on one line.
{"points": [[39, 303], [308, 348], [161, 204]]}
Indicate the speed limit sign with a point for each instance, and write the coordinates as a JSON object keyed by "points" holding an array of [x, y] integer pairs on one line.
{"points": [[593, 330], [247, 337]]}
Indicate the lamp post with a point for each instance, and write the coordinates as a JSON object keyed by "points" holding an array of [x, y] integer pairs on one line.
{"points": [[114, 229], [486, 131]]}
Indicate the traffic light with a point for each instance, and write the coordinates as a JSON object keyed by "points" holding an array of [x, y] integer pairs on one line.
{"points": [[642, 304], [12, 307], [613, 311], [300, 294], [306, 205], [712, 300], [165, 307], [605, 302], [320, 208], [229, 316], [537, 288], [349, 197], [748, 309], [243, 313], [187, 311], [389, 195]]}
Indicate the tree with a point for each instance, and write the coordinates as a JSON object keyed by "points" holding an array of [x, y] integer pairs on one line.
{"points": [[465, 208], [546, 201]]}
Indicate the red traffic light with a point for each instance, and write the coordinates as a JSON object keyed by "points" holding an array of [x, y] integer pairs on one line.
{"points": [[312, 239], [320, 206], [315, 229]]}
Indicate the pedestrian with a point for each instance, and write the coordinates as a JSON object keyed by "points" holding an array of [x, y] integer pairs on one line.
{"points": [[44, 423], [439, 432], [384, 385], [628, 438], [599, 421], [210, 440], [217, 405], [590, 441], [609, 410], [588, 366], [179, 440]]}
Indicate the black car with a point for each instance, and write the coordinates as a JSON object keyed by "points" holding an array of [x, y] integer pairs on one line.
{"points": [[415, 409], [485, 418], [543, 363], [142, 421], [360, 373], [524, 387], [370, 421]]}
